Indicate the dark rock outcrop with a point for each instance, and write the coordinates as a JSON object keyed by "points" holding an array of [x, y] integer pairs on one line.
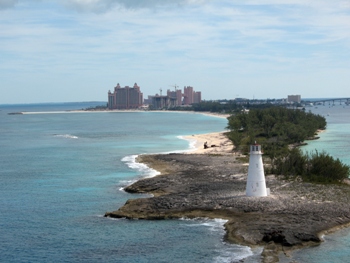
{"points": [[214, 186]]}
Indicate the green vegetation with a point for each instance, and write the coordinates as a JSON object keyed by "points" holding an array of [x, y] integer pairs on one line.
{"points": [[275, 128], [98, 107], [314, 167], [231, 106], [211, 106]]}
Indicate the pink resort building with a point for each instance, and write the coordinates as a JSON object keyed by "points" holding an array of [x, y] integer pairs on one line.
{"points": [[125, 98]]}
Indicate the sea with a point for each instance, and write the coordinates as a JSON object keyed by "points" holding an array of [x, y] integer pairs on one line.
{"points": [[61, 170], [335, 141]]}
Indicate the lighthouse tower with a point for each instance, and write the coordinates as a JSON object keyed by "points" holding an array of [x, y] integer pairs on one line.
{"points": [[256, 185]]}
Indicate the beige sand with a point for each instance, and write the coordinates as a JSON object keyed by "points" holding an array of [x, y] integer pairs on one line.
{"points": [[222, 144]]}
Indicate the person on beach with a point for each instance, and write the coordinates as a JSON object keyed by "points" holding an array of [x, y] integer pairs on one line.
{"points": [[205, 145]]}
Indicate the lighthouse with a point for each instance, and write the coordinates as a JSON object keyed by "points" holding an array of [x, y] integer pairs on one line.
{"points": [[256, 185]]}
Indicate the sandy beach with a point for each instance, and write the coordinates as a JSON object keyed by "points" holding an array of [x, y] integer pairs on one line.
{"points": [[217, 143]]}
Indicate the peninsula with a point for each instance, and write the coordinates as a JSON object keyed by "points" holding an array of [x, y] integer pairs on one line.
{"points": [[308, 200], [212, 185]]}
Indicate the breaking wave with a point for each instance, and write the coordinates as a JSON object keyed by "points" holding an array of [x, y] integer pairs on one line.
{"points": [[227, 253], [144, 170], [67, 136]]}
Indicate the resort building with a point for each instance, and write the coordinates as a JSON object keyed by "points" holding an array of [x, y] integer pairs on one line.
{"points": [[190, 96], [163, 102], [294, 99], [172, 99], [175, 98], [125, 98], [197, 97], [177, 94]]}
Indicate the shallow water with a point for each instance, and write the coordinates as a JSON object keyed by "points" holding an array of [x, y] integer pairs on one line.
{"points": [[335, 140]]}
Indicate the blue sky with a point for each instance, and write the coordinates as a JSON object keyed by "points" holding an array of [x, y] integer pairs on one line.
{"points": [[77, 50]]}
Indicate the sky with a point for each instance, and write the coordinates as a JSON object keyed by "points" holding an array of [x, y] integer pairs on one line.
{"points": [[78, 50]]}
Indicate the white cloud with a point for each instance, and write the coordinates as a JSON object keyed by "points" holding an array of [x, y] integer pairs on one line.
{"points": [[7, 3], [105, 5], [221, 43]]}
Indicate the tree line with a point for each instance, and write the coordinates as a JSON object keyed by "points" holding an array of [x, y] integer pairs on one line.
{"points": [[223, 106], [277, 129]]}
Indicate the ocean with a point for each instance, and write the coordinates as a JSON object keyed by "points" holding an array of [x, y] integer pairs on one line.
{"points": [[60, 172], [335, 140]]}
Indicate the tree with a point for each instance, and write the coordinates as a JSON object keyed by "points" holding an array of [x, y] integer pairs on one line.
{"points": [[324, 168], [273, 125], [315, 167]]}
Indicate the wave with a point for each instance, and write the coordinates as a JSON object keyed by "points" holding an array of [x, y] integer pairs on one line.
{"points": [[67, 136], [124, 183], [216, 224], [192, 143], [145, 171], [227, 252]]}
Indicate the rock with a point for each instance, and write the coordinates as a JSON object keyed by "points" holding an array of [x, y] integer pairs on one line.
{"points": [[193, 186]]}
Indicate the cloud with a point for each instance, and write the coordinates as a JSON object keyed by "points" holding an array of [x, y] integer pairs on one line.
{"points": [[4, 4], [265, 44], [99, 6]]}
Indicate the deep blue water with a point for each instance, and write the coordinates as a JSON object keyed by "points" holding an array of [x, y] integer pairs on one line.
{"points": [[60, 172]]}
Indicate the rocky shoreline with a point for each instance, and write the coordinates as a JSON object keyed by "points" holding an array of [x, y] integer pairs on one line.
{"points": [[213, 186]]}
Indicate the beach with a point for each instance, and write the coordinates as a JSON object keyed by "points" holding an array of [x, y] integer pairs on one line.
{"points": [[217, 143], [211, 183]]}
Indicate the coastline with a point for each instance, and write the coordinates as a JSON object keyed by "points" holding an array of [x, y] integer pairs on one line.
{"points": [[284, 221], [217, 143], [212, 114], [113, 205]]}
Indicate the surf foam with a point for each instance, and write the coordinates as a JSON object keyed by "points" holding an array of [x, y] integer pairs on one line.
{"points": [[67, 136]]}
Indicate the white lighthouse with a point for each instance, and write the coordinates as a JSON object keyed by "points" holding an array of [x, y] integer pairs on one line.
{"points": [[256, 185]]}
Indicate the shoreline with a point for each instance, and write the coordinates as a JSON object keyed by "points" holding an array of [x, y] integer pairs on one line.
{"points": [[207, 113], [217, 143], [282, 222], [276, 240]]}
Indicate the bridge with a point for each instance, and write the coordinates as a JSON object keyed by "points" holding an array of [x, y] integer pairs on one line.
{"points": [[330, 101]]}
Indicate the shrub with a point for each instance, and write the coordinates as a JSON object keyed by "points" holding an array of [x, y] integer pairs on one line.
{"points": [[315, 167], [324, 168]]}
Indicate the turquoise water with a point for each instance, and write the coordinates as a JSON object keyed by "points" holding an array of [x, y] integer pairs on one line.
{"points": [[335, 140], [61, 172]]}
